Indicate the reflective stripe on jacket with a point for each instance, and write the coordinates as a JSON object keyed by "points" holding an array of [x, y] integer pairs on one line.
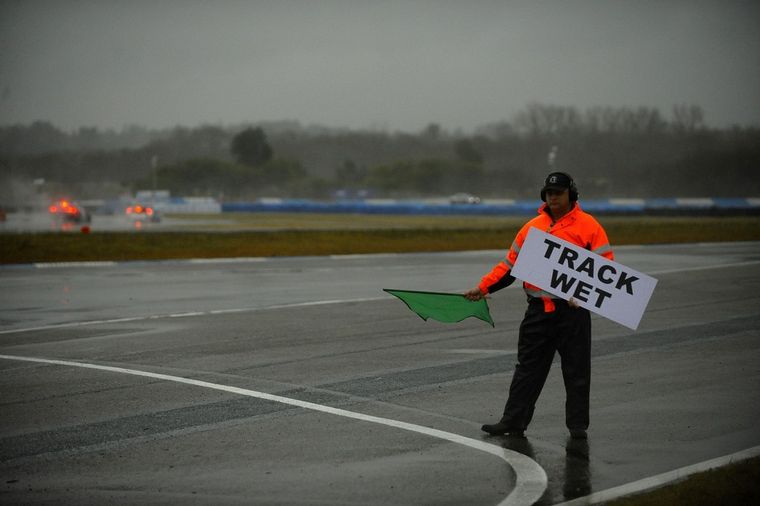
{"points": [[577, 227]]}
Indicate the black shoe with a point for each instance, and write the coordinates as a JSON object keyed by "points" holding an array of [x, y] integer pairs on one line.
{"points": [[578, 434], [498, 429]]}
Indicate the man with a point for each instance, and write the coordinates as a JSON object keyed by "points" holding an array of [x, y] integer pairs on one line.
{"points": [[550, 324]]}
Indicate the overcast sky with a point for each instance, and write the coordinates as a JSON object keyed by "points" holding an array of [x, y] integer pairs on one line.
{"points": [[393, 65]]}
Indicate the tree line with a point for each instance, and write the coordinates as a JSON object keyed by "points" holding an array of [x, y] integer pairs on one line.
{"points": [[611, 152]]}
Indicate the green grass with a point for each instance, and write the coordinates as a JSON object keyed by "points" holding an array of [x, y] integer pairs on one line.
{"points": [[664, 230], [49, 247], [734, 485], [227, 222], [295, 235]]}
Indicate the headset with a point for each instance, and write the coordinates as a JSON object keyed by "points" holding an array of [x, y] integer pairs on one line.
{"points": [[573, 187]]}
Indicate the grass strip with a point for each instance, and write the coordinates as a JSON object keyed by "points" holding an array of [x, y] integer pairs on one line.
{"points": [[121, 246], [733, 485], [53, 247]]}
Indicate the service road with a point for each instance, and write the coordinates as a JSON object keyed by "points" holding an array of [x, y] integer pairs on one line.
{"points": [[680, 390]]}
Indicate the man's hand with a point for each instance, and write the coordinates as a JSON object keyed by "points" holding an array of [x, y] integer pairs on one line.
{"points": [[571, 302], [473, 294]]}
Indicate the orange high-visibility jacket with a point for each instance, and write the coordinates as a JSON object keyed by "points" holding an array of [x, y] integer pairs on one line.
{"points": [[577, 227]]}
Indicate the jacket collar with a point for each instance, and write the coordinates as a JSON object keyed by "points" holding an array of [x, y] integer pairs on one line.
{"points": [[571, 215]]}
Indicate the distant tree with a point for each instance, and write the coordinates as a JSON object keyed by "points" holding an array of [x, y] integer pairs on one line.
{"points": [[281, 171], [201, 176], [429, 176], [349, 174], [39, 137], [646, 120], [466, 152], [611, 151], [540, 120], [687, 118], [432, 131], [496, 130], [250, 147]]}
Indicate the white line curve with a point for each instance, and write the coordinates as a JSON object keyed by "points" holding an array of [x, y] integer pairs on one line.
{"points": [[530, 478]]}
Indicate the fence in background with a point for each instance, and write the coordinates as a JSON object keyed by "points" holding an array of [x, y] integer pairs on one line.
{"points": [[706, 206]]}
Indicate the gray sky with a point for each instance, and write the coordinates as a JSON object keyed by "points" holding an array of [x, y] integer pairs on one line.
{"points": [[395, 65]]}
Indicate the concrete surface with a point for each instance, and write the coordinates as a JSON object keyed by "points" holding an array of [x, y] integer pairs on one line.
{"points": [[680, 390]]}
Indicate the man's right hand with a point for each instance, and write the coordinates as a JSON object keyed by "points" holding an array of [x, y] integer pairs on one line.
{"points": [[473, 294]]}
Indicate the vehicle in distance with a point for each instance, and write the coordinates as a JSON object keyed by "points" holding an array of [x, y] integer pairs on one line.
{"points": [[464, 198], [139, 213], [65, 211]]}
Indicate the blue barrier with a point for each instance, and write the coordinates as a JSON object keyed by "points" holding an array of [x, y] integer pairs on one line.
{"points": [[521, 207], [296, 206]]}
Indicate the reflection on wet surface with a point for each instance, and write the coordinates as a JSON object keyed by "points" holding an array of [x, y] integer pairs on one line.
{"points": [[569, 478], [577, 471]]}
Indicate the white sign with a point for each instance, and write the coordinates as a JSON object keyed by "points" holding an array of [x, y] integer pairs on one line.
{"points": [[565, 270]]}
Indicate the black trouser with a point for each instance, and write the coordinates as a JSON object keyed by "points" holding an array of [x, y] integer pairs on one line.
{"points": [[567, 331]]}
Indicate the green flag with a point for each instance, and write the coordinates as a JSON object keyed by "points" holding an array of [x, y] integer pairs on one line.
{"points": [[444, 307]]}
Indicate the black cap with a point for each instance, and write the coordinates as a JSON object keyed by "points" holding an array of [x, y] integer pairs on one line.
{"points": [[557, 181]]}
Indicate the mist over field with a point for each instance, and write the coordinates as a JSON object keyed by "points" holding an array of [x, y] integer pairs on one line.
{"points": [[378, 100]]}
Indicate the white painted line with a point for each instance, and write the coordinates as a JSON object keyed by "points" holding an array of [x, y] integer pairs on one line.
{"points": [[81, 324], [188, 314], [185, 315], [360, 256], [705, 268], [50, 265], [233, 260], [662, 479], [470, 351], [300, 304], [530, 478]]}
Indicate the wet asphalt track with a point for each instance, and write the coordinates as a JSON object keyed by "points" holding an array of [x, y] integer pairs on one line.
{"points": [[680, 390]]}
